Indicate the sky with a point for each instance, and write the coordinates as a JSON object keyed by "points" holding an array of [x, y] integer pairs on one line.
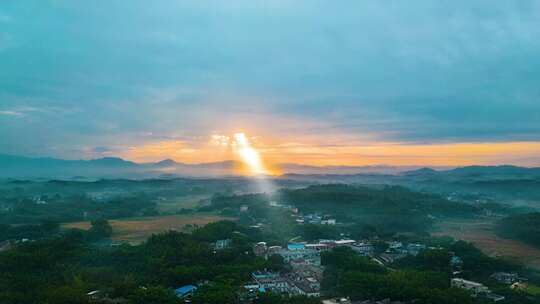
{"points": [[431, 83]]}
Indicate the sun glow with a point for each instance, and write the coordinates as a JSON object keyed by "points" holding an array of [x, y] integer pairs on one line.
{"points": [[249, 155]]}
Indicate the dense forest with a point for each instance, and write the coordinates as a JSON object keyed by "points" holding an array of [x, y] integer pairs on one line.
{"points": [[344, 199], [25, 201], [23, 210], [380, 209], [369, 210], [63, 268], [423, 279]]}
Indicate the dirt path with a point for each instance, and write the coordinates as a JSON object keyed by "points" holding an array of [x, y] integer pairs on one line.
{"points": [[480, 233]]}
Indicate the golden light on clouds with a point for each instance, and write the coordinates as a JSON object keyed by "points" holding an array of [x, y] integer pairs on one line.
{"points": [[397, 154], [262, 155], [245, 152], [172, 149]]}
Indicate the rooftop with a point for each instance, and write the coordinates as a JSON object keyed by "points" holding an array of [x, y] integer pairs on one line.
{"points": [[296, 246], [184, 290]]}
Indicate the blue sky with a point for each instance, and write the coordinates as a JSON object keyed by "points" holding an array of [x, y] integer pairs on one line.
{"points": [[82, 79]]}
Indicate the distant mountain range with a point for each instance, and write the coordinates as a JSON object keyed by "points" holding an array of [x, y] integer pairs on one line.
{"points": [[112, 167], [491, 172], [347, 170], [108, 167], [434, 180]]}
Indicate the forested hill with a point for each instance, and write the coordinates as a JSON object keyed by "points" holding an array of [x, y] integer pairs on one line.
{"points": [[350, 200], [523, 227]]}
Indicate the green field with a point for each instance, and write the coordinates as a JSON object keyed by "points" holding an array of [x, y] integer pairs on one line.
{"points": [[533, 290], [175, 204]]}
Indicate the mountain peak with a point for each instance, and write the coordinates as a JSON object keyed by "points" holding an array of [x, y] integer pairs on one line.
{"points": [[166, 163], [111, 161], [421, 171]]}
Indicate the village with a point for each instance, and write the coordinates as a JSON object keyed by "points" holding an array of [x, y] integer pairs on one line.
{"points": [[305, 271]]}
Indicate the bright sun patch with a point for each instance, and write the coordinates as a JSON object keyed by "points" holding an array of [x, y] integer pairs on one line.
{"points": [[248, 154], [240, 147]]}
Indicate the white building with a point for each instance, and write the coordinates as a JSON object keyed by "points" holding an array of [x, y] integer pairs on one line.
{"points": [[474, 287], [363, 248], [344, 242], [414, 249]]}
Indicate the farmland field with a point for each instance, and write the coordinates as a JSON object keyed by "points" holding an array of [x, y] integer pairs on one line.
{"points": [[172, 205], [136, 230], [481, 234]]}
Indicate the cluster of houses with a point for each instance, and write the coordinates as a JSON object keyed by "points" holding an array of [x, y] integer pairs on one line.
{"points": [[310, 253], [348, 301], [316, 219], [38, 200], [305, 264], [298, 282], [508, 278], [397, 250], [5, 245], [306, 271], [312, 218], [476, 289], [479, 290], [306, 274], [222, 244], [8, 244], [102, 297]]}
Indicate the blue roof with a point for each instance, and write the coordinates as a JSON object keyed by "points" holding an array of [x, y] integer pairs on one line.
{"points": [[182, 291], [296, 246]]}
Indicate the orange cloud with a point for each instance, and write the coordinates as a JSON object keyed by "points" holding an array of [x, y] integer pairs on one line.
{"points": [[456, 154], [176, 150], [313, 152]]}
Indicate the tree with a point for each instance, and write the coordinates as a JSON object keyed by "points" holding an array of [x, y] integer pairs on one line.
{"points": [[50, 226], [217, 293], [275, 262], [215, 231], [100, 229], [312, 232], [345, 258], [435, 260], [67, 295], [154, 295], [270, 298]]}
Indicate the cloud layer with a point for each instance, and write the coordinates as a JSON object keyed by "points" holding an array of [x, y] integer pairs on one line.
{"points": [[85, 79]]}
